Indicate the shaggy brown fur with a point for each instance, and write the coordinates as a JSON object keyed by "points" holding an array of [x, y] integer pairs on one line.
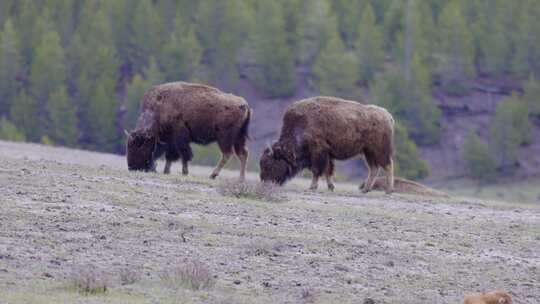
{"points": [[175, 114], [318, 130], [496, 297], [402, 185]]}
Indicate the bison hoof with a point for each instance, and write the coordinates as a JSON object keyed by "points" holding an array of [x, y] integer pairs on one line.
{"points": [[184, 173], [331, 187], [389, 191], [213, 176], [365, 190]]}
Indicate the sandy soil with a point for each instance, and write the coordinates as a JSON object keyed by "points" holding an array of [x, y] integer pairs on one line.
{"points": [[64, 212]]}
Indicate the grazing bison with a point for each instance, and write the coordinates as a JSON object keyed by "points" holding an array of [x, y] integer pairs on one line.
{"points": [[175, 114], [318, 130], [496, 297]]}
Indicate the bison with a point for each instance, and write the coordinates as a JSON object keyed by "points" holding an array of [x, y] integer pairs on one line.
{"points": [[175, 114], [496, 297], [318, 130]]}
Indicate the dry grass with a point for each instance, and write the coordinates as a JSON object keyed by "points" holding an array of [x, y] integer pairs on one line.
{"points": [[193, 275], [268, 192], [87, 280], [129, 276]]}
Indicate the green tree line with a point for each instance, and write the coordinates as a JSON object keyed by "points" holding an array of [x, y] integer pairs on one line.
{"points": [[73, 71]]}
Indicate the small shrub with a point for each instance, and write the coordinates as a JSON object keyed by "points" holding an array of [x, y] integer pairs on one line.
{"points": [[46, 140], [88, 281], [478, 160], [9, 131], [510, 129], [264, 247], [193, 275], [260, 191], [129, 276]]}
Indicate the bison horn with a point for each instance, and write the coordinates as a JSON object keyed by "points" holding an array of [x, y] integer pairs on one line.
{"points": [[127, 133], [269, 148]]}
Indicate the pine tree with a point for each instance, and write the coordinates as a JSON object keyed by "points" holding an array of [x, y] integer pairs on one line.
{"points": [[394, 26], [26, 23], [527, 55], [369, 46], [275, 61], [62, 117], [8, 131], [478, 161], [134, 94], [348, 13], [48, 70], [63, 17], [102, 117], [145, 34], [410, 100], [335, 70], [10, 65], [181, 55], [47, 73], [152, 73], [24, 115], [510, 129], [456, 48], [407, 162], [532, 95], [94, 78], [314, 31], [121, 12], [6, 10], [222, 28]]}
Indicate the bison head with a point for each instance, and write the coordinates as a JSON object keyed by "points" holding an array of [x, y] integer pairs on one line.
{"points": [[140, 150], [276, 165]]}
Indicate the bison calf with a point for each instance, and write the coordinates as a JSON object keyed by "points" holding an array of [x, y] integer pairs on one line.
{"points": [[496, 297], [175, 114], [318, 130]]}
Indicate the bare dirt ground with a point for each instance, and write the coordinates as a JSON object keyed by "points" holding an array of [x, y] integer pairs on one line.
{"points": [[65, 213]]}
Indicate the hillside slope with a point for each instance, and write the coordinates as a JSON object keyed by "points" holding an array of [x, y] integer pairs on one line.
{"points": [[64, 213]]}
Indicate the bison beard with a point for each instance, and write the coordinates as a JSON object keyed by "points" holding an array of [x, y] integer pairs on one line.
{"points": [[318, 130], [173, 115]]}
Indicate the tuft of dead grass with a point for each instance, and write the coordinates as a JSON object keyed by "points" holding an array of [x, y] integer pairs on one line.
{"points": [[260, 247], [193, 275], [87, 280], [129, 276], [268, 192]]}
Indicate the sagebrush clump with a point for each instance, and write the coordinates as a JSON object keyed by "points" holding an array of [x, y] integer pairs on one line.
{"points": [[268, 192]]}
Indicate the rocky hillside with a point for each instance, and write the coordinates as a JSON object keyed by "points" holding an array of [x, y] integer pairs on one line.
{"points": [[77, 227]]}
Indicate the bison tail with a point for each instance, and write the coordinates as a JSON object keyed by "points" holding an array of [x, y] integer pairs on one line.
{"points": [[243, 135]]}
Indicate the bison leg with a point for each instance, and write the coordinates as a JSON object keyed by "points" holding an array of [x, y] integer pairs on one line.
{"points": [[319, 166], [185, 170], [370, 180], [167, 168], [242, 154], [224, 158], [314, 183], [373, 171], [389, 177], [329, 173]]}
